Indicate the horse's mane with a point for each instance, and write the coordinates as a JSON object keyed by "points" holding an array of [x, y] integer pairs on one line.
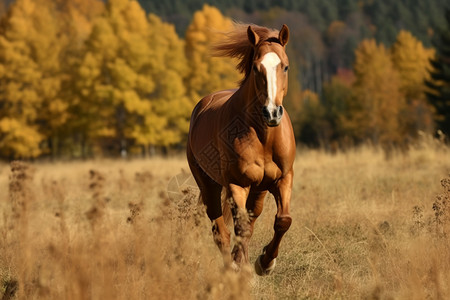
{"points": [[235, 44]]}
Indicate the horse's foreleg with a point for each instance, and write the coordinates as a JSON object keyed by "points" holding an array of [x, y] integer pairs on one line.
{"points": [[242, 227], [282, 193]]}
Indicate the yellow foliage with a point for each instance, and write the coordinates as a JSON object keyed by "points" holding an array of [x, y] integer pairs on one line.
{"points": [[30, 82], [208, 74], [77, 17], [168, 121], [19, 140], [309, 97], [412, 61], [91, 70], [377, 88], [132, 77]]}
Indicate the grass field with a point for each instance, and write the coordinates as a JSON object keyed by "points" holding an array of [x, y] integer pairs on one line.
{"points": [[363, 227]]}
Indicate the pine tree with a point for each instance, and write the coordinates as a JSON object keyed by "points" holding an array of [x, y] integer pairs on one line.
{"points": [[439, 86]]}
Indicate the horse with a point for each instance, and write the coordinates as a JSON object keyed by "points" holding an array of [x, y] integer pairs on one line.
{"points": [[242, 141]]}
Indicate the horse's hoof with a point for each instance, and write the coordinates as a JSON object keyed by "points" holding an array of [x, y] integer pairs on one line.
{"points": [[264, 271]]}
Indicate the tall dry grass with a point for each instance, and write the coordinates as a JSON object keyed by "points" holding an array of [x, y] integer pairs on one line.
{"points": [[363, 227]]}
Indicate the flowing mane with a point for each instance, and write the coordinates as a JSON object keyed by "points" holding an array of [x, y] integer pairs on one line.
{"points": [[235, 44]]}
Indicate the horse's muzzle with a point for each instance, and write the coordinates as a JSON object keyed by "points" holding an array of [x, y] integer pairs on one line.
{"points": [[273, 116]]}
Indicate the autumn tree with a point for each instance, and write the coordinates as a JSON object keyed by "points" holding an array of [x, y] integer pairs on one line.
{"points": [[130, 81], [76, 21], [411, 59], [78, 18], [439, 84], [207, 73], [50, 41], [31, 105], [377, 89], [168, 121], [312, 127], [341, 110], [111, 77]]}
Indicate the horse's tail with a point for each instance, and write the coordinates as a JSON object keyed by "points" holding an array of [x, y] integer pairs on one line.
{"points": [[226, 209]]}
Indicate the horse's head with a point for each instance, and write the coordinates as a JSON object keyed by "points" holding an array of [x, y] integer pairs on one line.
{"points": [[270, 73]]}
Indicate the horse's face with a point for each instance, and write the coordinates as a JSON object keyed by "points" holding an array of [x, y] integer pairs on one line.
{"points": [[270, 74]]}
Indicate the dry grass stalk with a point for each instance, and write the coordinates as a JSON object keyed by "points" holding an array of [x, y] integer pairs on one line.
{"points": [[119, 234]]}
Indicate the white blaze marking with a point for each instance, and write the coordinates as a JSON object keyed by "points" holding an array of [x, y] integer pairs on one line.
{"points": [[270, 63]]}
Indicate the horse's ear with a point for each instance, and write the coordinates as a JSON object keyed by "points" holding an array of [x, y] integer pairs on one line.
{"points": [[283, 36], [253, 37]]}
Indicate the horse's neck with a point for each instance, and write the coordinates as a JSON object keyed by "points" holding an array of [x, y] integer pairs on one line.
{"points": [[245, 99], [247, 104]]}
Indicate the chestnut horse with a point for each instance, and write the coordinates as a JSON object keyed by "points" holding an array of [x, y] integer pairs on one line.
{"points": [[242, 140]]}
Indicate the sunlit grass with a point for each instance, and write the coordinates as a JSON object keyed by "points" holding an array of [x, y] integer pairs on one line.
{"points": [[363, 227]]}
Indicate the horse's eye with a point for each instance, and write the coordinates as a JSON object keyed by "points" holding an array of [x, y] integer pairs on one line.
{"points": [[286, 68]]}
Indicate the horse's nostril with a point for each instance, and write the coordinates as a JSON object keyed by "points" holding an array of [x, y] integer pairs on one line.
{"points": [[265, 112], [279, 111]]}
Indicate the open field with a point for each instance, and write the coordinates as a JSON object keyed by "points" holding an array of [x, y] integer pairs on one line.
{"points": [[363, 227]]}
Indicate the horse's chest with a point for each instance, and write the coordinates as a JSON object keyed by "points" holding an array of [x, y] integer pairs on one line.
{"points": [[250, 162], [259, 172]]}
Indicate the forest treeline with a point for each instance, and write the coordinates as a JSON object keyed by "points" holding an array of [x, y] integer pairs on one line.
{"points": [[323, 45], [83, 78]]}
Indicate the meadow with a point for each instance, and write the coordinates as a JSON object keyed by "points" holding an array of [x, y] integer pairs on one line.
{"points": [[365, 226]]}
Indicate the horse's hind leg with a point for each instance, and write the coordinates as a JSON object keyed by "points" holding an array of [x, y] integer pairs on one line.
{"points": [[282, 193], [210, 193]]}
